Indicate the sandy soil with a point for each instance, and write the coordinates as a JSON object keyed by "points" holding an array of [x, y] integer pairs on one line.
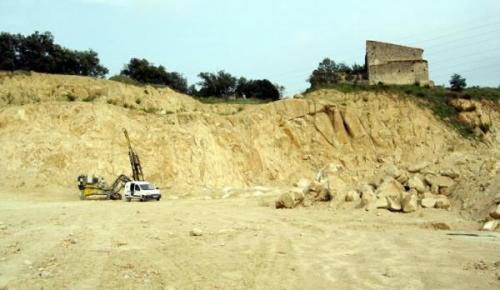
{"points": [[109, 245]]}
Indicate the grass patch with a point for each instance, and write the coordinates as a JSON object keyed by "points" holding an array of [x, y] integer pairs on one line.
{"points": [[89, 99], [435, 98], [126, 80], [150, 110], [239, 101]]}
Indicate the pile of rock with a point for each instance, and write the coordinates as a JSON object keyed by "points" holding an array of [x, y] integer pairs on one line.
{"points": [[396, 190], [305, 193], [406, 190]]}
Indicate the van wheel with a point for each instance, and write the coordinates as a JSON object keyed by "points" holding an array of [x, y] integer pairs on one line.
{"points": [[128, 199], [158, 199]]}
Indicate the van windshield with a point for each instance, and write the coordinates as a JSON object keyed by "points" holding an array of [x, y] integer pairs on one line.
{"points": [[146, 186]]}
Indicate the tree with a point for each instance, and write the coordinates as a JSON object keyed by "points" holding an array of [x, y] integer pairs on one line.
{"points": [[329, 72], [326, 73], [221, 84], [38, 52], [457, 83], [145, 72], [259, 89]]}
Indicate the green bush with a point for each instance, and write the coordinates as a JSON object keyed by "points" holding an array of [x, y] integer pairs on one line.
{"points": [[89, 99], [125, 79]]}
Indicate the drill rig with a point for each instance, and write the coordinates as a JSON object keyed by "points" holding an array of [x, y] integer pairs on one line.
{"points": [[96, 186]]}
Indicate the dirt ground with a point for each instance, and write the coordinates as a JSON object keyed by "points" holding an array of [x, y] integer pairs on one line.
{"points": [[46, 244]]}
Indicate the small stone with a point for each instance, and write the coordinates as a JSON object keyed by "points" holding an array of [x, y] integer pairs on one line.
{"points": [[429, 202], [196, 232], [44, 274], [28, 262], [3, 227], [490, 226]]}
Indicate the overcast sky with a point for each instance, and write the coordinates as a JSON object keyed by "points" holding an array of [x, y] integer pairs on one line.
{"points": [[282, 41]]}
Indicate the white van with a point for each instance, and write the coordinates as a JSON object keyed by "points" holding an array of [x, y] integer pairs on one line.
{"points": [[141, 190]]}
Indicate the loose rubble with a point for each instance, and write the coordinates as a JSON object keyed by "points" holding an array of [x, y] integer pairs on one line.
{"points": [[398, 190]]}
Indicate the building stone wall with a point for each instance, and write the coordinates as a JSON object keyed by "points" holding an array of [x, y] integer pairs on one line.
{"points": [[395, 64]]}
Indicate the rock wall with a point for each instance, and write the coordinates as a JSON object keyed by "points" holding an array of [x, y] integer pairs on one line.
{"points": [[202, 149]]}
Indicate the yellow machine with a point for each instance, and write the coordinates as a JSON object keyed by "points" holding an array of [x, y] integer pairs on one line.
{"points": [[90, 185], [95, 186]]}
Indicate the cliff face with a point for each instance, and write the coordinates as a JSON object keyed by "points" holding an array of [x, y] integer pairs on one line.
{"points": [[191, 148]]}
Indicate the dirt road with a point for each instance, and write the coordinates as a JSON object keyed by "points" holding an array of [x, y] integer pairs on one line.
{"points": [[109, 245]]}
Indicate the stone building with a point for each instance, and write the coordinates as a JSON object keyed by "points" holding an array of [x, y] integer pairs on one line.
{"points": [[396, 64]]}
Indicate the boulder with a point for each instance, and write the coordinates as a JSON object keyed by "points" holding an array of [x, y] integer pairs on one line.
{"points": [[382, 203], [319, 191], [403, 177], [394, 203], [289, 199], [389, 187], [490, 226], [367, 189], [391, 191], [451, 173], [416, 183], [495, 213], [444, 191], [418, 167], [393, 171], [439, 180], [442, 203], [352, 196], [410, 203], [368, 199], [429, 202], [434, 189]]}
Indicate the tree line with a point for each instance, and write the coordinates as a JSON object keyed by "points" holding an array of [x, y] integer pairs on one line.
{"points": [[38, 52]]}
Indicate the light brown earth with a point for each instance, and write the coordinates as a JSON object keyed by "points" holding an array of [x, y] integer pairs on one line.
{"points": [[220, 168], [51, 243]]}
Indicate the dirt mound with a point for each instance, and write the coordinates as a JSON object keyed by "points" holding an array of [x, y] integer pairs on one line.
{"points": [[188, 148]]}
